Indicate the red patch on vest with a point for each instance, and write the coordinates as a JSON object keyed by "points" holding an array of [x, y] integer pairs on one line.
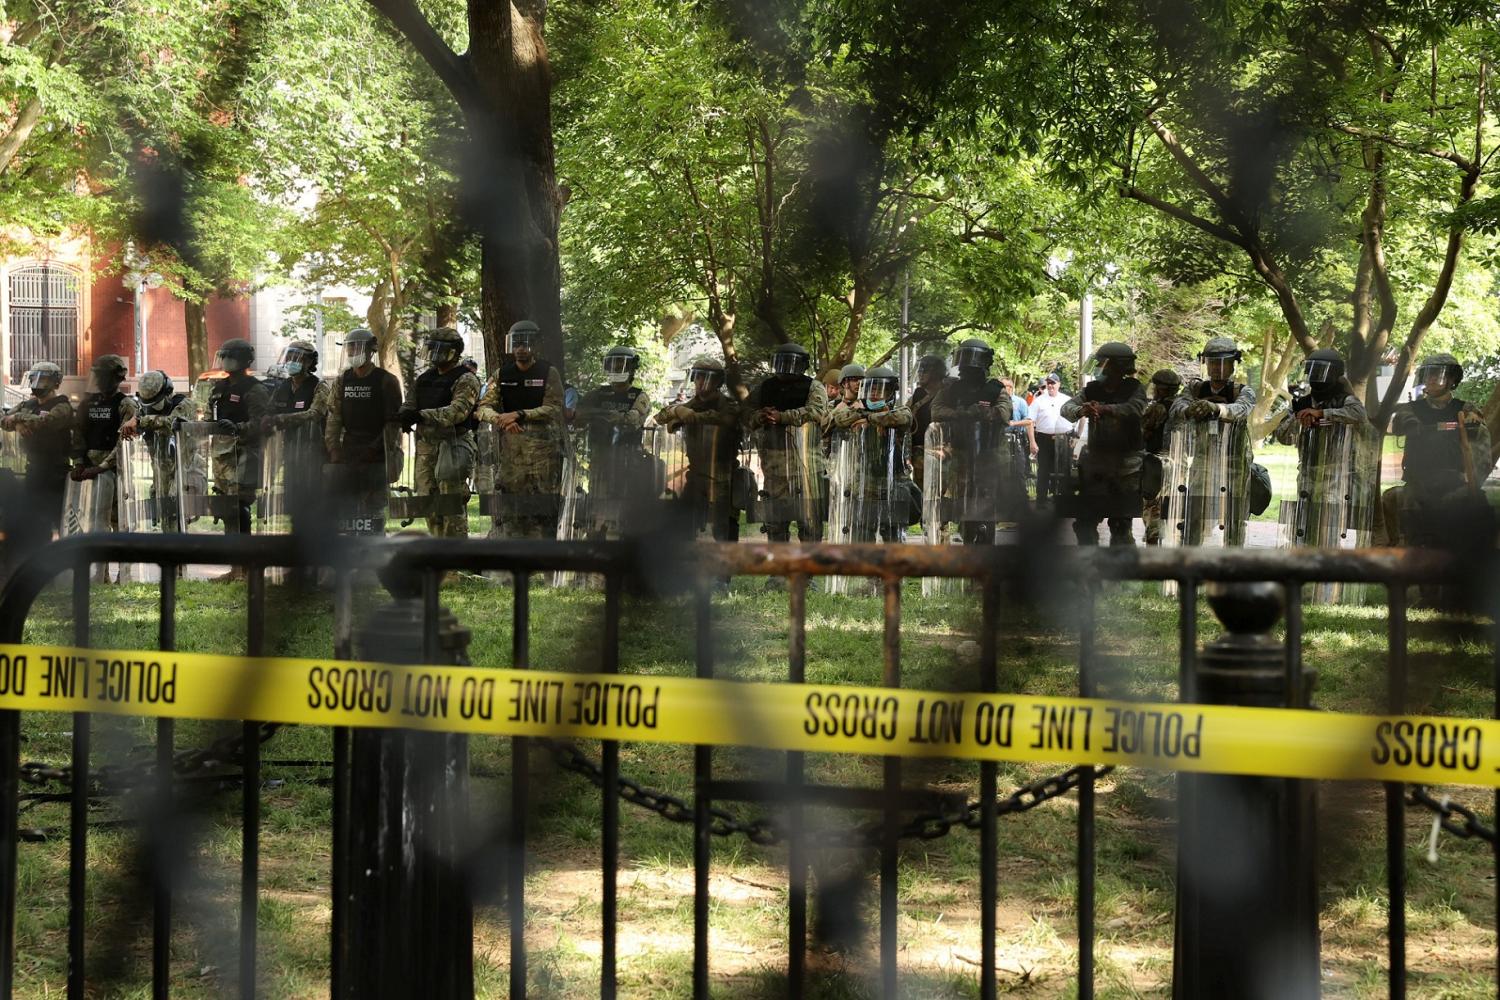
{"points": [[299, 405], [233, 398]]}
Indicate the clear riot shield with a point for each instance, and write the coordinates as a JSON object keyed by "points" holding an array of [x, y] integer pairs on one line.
{"points": [[869, 492], [791, 482], [411, 500], [12, 472], [971, 482], [1332, 503], [697, 468], [1205, 484], [496, 468], [210, 469], [89, 505], [291, 471], [146, 484], [610, 477]]}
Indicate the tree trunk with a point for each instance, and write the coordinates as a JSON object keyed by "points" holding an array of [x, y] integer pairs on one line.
{"points": [[384, 318], [196, 326], [503, 86]]}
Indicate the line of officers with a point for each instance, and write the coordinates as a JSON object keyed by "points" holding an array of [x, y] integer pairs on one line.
{"points": [[350, 453]]}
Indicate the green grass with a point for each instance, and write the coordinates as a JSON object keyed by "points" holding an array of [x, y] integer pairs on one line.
{"points": [[1450, 906]]}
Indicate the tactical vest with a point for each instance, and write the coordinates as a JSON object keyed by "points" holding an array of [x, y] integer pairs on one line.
{"points": [[1434, 457], [969, 393], [292, 398], [1229, 394], [603, 436], [362, 405], [784, 392], [229, 399], [434, 390], [101, 422], [921, 412], [47, 449], [523, 390], [1117, 435]]}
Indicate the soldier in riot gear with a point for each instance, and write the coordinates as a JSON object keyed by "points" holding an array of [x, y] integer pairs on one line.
{"points": [[525, 403], [710, 424], [1109, 480], [440, 407], [45, 424], [878, 426], [1214, 413], [361, 437], [975, 410], [237, 403], [1165, 385], [1445, 463], [613, 417], [1324, 396], [932, 376], [785, 412], [299, 408], [162, 408]]}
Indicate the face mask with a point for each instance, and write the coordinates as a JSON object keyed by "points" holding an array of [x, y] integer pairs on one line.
{"points": [[293, 368]]}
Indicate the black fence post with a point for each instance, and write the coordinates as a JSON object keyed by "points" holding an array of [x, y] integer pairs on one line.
{"points": [[1247, 895], [405, 912]]}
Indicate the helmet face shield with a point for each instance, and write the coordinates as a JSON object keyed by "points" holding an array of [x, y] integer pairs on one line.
{"points": [[1218, 367], [442, 351], [974, 357], [40, 380], [705, 380], [359, 350], [527, 340], [878, 393], [232, 362], [788, 363], [1318, 372], [296, 360], [618, 368], [1437, 378]]}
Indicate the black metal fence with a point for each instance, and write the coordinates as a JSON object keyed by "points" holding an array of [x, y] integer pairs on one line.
{"points": [[414, 568]]}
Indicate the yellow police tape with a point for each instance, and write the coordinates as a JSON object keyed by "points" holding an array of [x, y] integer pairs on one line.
{"points": [[812, 717]]}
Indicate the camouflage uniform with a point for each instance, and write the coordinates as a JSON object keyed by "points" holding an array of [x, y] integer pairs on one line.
{"points": [[451, 421], [530, 462], [711, 428], [361, 437], [1431, 505], [299, 409], [46, 430], [800, 400], [242, 401], [1109, 471]]}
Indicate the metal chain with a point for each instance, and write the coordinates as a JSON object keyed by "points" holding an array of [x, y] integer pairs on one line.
{"points": [[111, 779], [769, 832], [1457, 818]]}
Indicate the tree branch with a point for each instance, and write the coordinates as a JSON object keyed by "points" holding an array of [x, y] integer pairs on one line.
{"points": [[26, 122], [450, 67], [1457, 159], [1184, 215]]}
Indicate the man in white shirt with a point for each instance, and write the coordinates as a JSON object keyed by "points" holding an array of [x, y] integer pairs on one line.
{"points": [[1051, 432]]}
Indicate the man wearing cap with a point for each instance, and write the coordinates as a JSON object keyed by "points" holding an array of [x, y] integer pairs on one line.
{"points": [[1052, 430]]}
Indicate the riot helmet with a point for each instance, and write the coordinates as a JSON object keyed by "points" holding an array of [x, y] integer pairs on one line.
{"points": [[108, 372], [154, 390], [359, 349], [1219, 356], [444, 346], [1114, 358], [620, 364], [931, 365], [1439, 370], [1323, 369], [974, 355], [298, 358], [43, 378], [1165, 384], [235, 356], [523, 340], [470, 365], [880, 388], [706, 375], [790, 359]]}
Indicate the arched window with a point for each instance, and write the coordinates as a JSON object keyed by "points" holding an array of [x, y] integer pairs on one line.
{"points": [[44, 303]]}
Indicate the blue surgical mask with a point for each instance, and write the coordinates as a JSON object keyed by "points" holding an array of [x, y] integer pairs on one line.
{"points": [[294, 368], [875, 404]]}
